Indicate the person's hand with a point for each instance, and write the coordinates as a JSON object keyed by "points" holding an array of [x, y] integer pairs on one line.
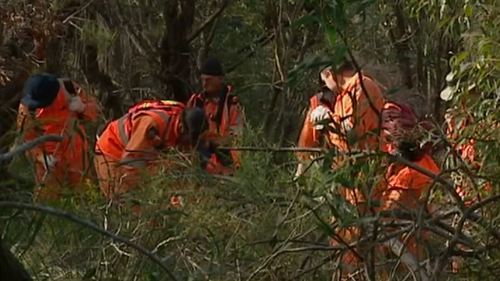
{"points": [[319, 114], [76, 105], [48, 161]]}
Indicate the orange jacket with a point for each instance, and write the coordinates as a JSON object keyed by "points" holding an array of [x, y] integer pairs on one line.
{"points": [[309, 137], [141, 134], [231, 119], [352, 110], [405, 186], [57, 119], [453, 126], [467, 152], [132, 143]]}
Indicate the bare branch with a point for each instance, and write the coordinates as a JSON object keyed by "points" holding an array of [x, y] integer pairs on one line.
{"points": [[209, 20], [29, 145], [75, 219]]}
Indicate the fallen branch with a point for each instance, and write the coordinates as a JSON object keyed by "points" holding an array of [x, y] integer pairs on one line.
{"points": [[75, 219], [29, 145]]}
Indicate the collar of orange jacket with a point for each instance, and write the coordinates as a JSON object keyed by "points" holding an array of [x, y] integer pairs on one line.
{"points": [[350, 83], [225, 90]]}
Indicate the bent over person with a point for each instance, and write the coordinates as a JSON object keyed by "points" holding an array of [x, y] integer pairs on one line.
{"points": [[224, 115], [403, 188], [131, 144], [55, 106]]}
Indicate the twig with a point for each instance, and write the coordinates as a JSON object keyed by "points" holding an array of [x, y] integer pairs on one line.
{"points": [[29, 145], [78, 11], [75, 219], [209, 20]]}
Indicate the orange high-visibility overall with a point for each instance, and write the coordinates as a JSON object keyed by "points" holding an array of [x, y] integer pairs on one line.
{"points": [[71, 154], [353, 111], [131, 145], [467, 152], [403, 188], [224, 132]]}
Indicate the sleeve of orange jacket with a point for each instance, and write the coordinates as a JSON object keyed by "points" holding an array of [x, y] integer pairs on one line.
{"points": [[91, 107], [235, 130], [236, 121], [307, 137], [190, 102], [367, 117]]}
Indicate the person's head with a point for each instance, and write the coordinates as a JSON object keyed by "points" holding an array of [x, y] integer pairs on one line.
{"points": [[40, 91], [194, 124], [400, 128], [335, 79], [212, 75]]}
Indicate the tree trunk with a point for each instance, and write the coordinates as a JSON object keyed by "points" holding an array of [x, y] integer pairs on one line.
{"points": [[90, 67], [175, 50]]}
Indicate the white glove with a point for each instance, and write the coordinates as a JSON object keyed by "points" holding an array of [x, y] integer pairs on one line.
{"points": [[48, 161], [346, 125], [76, 104], [319, 114], [299, 172]]}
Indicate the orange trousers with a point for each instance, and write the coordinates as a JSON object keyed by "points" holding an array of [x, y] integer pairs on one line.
{"points": [[112, 181], [69, 171]]}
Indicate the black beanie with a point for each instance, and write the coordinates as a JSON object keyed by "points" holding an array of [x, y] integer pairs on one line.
{"points": [[212, 67]]}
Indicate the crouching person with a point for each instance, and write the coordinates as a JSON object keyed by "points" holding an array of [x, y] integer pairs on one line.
{"points": [[130, 145], [405, 188], [56, 106], [401, 188]]}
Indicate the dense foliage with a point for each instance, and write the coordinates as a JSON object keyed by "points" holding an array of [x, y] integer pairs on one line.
{"points": [[258, 225]]}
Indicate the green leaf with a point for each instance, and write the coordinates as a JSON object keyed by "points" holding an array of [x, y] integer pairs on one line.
{"points": [[392, 91], [305, 20], [332, 35]]}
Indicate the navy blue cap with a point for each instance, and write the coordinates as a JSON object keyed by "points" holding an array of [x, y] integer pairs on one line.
{"points": [[40, 91]]}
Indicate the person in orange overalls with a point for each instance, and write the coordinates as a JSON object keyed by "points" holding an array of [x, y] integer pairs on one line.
{"points": [[310, 137], [130, 145], [55, 106], [405, 188], [356, 111], [402, 187], [224, 114], [457, 119]]}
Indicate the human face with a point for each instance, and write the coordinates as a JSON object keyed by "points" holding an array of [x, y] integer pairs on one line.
{"points": [[329, 79], [211, 84]]}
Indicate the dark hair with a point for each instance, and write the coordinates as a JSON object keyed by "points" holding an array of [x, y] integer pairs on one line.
{"points": [[194, 122], [346, 65], [326, 95], [410, 150], [402, 127]]}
